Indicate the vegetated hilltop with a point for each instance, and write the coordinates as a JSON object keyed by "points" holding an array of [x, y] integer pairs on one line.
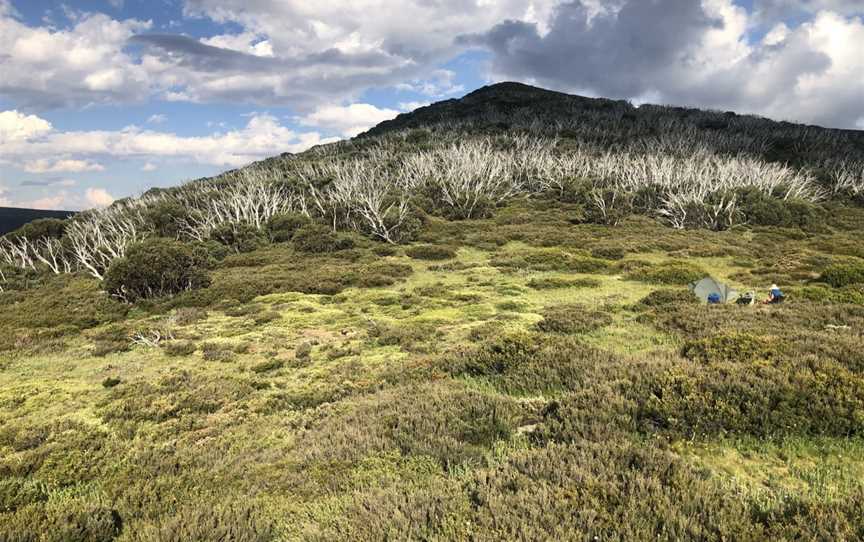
{"points": [[471, 323], [12, 218]]}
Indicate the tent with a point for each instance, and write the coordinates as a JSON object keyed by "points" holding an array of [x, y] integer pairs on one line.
{"points": [[716, 291]]}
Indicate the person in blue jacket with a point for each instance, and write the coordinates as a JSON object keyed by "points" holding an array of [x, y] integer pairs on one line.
{"points": [[775, 296]]}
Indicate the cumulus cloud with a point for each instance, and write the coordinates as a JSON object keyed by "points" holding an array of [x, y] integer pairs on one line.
{"points": [[85, 64], [58, 166], [156, 119], [263, 136], [98, 197], [15, 126], [696, 53], [347, 120], [149, 166]]}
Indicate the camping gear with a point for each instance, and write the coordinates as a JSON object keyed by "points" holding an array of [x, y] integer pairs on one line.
{"points": [[747, 299], [709, 288], [714, 299]]}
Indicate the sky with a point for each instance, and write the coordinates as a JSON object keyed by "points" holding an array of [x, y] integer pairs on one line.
{"points": [[103, 99]]}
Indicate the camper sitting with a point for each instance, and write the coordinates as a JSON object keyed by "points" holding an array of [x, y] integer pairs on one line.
{"points": [[775, 296]]}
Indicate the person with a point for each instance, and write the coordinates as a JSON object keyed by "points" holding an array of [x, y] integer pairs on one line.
{"points": [[775, 295]]}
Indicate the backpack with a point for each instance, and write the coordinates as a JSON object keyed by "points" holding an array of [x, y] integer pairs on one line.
{"points": [[714, 299]]}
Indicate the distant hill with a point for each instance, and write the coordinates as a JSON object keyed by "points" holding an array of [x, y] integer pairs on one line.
{"points": [[13, 218]]}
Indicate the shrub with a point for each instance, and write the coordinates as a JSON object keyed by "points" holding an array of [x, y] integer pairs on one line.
{"points": [[761, 209], [552, 283], [113, 339], [844, 274], [157, 267], [53, 228], [608, 253], [572, 319], [668, 297], [239, 236], [217, 352], [180, 348], [110, 382], [267, 366], [430, 252], [165, 218], [317, 238], [731, 348], [667, 273], [281, 228]]}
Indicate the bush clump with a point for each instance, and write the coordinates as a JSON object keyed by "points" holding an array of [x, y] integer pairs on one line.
{"points": [[554, 283], [430, 252], [155, 268], [665, 297], [281, 228], [844, 274], [180, 348], [239, 237], [319, 239], [677, 273], [730, 348], [572, 319]]}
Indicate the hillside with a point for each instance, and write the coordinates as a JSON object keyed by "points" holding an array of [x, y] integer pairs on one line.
{"points": [[470, 323], [12, 218]]}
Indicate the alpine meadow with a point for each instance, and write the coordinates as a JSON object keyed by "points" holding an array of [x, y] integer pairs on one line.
{"points": [[472, 322]]}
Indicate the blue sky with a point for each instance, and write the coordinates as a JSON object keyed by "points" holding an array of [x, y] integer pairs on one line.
{"points": [[101, 99]]}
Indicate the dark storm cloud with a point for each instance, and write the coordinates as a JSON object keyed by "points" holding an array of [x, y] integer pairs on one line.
{"points": [[193, 54], [612, 54]]}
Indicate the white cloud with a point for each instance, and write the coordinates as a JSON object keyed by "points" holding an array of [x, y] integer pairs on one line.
{"points": [[61, 166], [149, 166], [85, 64], [262, 137], [98, 197], [4, 200], [156, 119], [347, 120], [15, 126]]}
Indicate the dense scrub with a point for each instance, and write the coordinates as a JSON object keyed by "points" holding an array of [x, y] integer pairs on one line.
{"points": [[534, 372]]}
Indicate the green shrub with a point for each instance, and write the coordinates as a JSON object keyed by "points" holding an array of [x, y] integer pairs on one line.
{"points": [[235, 520], [154, 268], [317, 238], [110, 382], [761, 209], [52, 228], [572, 319], [430, 252], [281, 228], [267, 366], [18, 492], [217, 352], [666, 297], [113, 339], [165, 218], [731, 348], [678, 273], [240, 237], [608, 253], [179, 348], [553, 283], [853, 294], [844, 274]]}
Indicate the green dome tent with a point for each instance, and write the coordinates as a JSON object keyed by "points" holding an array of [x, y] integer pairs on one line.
{"points": [[708, 286]]}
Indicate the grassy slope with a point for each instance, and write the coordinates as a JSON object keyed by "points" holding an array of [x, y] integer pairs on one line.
{"points": [[378, 433]]}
